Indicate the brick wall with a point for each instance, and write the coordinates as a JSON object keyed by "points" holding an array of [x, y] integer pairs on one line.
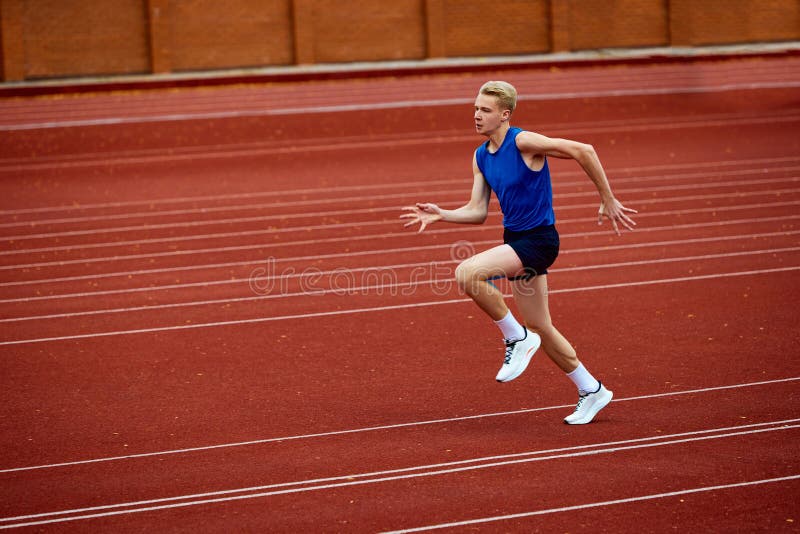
{"points": [[65, 38], [733, 21], [56, 38], [511, 27], [592, 24], [215, 34], [362, 31]]}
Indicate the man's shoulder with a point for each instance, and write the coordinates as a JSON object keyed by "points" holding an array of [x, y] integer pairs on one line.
{"points": [[527, 140], [520, 133]]}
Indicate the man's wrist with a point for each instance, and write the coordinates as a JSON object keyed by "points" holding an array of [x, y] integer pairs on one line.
{"points": [[606, 198]]}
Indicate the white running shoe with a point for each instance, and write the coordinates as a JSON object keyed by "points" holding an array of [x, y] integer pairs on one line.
{"points": [[589, 405], [518, 355]]}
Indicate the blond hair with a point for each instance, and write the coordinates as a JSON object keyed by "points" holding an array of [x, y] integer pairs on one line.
{"points": [[504, 92]]}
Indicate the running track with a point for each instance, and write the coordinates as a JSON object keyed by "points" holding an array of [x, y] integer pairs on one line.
{"points": [[213, 320]]}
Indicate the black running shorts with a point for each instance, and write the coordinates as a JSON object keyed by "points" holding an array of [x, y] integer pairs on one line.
{"points": [[537, 248]]}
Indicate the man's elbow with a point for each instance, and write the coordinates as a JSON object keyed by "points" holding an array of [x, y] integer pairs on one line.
{"points": [[588, 151], [584, 153], [479, 216]]}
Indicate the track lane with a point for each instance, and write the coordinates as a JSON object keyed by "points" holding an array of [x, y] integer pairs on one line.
{"points": [[324, 293], [329, 237], [162, 390], [241, 174], [624, 455], [726, 185], [763, 218], [150, 368], [534, 82], [282, 275]]}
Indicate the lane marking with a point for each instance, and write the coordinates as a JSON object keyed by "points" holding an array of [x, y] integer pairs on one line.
{"points": [[320, 94], [380, 308], [342, 290], [400, 104], [661, 437], [627, 500], [260, 263], [355, 224], [328, 199], [254, 95], [331, 226], [345, 270], [391, 184], [356, 141], [394, 142], [383, 476], [379, 209], [371, 237], [387, 427]]}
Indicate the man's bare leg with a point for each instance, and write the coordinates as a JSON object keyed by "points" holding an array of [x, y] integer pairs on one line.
{"points": [[532, 301], [531, 298], [472, 276]]}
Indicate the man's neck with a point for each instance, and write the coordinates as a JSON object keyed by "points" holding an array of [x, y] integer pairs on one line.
{"points": [[496, 137]]}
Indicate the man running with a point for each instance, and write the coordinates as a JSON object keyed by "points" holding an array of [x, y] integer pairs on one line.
{"points": [[513, 164]]}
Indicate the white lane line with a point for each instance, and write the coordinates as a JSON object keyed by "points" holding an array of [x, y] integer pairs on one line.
{"points": [[340, 273], [258, 95], [432, 194], [392, 287], [400, 104], [205, 210], [240, 99], [209, 222], [390, 426], [344, 270], [585, 506], [390, 185], [352, 141], [328, 199], [382, 252], [383, 142], [699, 120], [661, 75], [563, 450], [238, 196], [371, 237], [381, 308], [382, 476], [32, 225], [330, 226], [672, 260]]}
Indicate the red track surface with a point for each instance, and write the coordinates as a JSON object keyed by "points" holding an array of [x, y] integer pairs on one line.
{"points": [[213, 321]]}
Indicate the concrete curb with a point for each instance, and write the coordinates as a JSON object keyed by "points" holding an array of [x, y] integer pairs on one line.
{"points": [[323, 72]]}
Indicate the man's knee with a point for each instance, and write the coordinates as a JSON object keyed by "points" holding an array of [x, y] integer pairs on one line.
{"points": [[464, 274], [468, 275]]}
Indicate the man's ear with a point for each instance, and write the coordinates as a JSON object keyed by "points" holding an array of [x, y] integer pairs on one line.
{"points": [[506, 115]]}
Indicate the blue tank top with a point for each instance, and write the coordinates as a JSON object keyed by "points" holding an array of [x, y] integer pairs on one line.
{"points": [[526, 196]]}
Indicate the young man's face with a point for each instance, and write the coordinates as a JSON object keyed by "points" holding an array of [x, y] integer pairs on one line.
{"points": [[488, 115]]}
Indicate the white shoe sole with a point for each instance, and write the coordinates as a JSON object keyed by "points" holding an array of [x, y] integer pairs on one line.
{"points": [[526, 359], [593, 411]]}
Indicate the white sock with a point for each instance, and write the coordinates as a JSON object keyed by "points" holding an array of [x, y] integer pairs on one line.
{"points": [[510, 327], [584, 380]]}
